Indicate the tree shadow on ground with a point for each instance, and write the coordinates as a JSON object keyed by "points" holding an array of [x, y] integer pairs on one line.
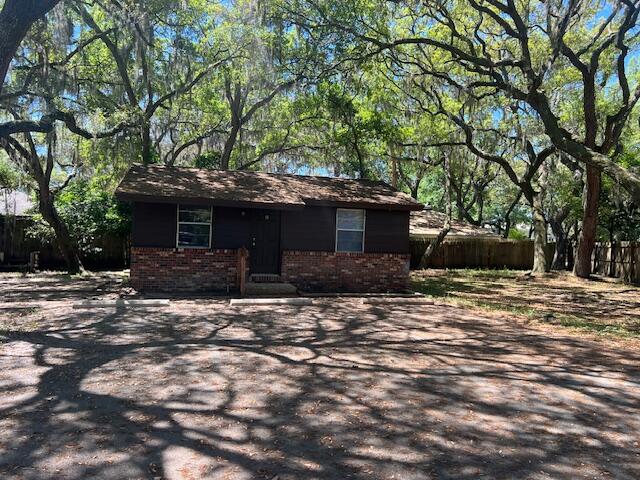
{"points": [[598, 305], [58, 286], [333, 391]]}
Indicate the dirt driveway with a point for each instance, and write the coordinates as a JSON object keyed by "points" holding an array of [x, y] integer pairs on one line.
{"points": [[337, 390]]}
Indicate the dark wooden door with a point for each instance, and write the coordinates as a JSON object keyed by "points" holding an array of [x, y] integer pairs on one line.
{"points": [[265, 242]]}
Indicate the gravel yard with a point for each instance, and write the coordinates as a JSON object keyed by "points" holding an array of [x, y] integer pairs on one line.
{"points": [[336, 390]]}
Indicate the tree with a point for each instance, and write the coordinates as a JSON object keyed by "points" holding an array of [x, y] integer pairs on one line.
{"points": [[522, 51], [83, 81], [149, 64], [16, 17], [91, 212]]}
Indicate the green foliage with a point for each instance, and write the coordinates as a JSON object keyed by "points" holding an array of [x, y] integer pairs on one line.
{"points": [[619, 216], [346, 107], [515, 234], [209, 160], [10, 177], [90, 212]]}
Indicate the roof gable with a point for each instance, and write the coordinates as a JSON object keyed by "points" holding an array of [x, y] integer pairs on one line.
{"points": [[164, 184]]}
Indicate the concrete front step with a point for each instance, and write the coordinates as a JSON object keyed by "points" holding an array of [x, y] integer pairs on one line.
{"points": [[253, 288], [264, 278]]}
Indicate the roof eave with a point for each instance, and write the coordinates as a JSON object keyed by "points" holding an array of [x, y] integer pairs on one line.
{"points": [[137, 197], [365, 205]]}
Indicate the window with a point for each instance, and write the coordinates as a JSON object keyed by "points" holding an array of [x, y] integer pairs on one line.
{"points": [[194, 227], [349, 230]]}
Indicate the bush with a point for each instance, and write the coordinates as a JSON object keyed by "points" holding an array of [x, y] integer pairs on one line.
{"points": [[89, 212]]}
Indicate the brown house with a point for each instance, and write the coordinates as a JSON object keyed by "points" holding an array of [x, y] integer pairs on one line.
{"points": [[316, 233]]}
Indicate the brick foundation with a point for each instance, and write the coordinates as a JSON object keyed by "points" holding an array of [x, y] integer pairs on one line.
{"points": [[186, 270], [346, 272]]}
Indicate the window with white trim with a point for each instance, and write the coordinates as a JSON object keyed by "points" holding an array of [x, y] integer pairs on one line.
{"points": [[194, 227], [350, 230]]}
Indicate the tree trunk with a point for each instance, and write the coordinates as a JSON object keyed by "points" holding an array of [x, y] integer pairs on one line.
{"points": [[507, 215], [394, 166], [145, 137], [560, 254], [16, 18], [435, 243], [225, 159], [67, 246], [562, 238], [587, 239], [540, 264], [570, 256]]}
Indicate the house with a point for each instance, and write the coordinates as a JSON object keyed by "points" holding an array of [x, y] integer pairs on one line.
{"points": [[316, 233]]}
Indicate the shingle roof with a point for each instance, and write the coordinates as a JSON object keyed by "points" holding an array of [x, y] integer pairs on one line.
{"points": [[159, 183], [428, 223]]}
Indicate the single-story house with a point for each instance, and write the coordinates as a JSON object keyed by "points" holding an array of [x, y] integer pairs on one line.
{"points": [[316, 233]]}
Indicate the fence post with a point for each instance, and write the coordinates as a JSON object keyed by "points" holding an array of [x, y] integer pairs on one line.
{"points": [[633, 267]]}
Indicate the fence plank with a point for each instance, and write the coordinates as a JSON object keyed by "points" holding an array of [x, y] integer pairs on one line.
{"points": [[617, 260], [477, 253]]}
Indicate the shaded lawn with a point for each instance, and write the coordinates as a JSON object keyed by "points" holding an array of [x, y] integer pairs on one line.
{"points": [[337, 390], [558, 298]]}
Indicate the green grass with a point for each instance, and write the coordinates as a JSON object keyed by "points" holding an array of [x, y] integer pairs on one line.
{"points": [[461, 287], [12, 320], [631, 330]]}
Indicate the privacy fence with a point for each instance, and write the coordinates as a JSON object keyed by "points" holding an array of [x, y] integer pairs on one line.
{"points": [[617, 260], [477, 253], [107, 252]]}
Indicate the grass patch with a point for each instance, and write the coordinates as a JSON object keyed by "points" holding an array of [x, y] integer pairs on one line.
{"points": [[542, 300], [631, 330], [16, 319]]}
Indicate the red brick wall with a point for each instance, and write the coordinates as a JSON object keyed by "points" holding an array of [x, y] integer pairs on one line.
{"points": [[189, 269], [346, 272]]}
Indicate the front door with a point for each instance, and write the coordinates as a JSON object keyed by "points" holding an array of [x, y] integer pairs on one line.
{"points": [[265, 242]]}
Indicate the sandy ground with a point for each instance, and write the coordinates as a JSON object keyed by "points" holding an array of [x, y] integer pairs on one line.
{"points": [[596, 304], [337, 390]]}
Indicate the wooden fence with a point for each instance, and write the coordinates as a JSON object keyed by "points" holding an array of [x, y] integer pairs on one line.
{"points": [[618, 260], [107, 252], [477, 253]]}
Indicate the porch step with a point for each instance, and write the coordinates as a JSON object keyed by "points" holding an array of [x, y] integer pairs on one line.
{"points": [[265, 278], [279, 288]]}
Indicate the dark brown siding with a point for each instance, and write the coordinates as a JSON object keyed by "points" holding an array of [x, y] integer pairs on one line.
{"points": [[231, 229], [386, 232], [154, 225], [310, 229]]}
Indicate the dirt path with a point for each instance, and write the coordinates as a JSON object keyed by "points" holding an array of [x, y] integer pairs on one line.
{"points": [[333, 391]]}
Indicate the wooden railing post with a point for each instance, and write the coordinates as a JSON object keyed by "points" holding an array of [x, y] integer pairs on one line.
{"points": [[243, 255]]}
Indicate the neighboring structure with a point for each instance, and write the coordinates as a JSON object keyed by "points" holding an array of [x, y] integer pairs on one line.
{"points": [[317, 233], [14, 219], [426, 224], [465, 246]]}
